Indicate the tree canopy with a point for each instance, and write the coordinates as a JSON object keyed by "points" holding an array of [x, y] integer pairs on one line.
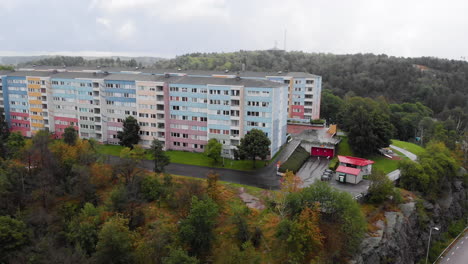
{"points": [[213, 149], [255, 144], [161, 159], [131, 132]]}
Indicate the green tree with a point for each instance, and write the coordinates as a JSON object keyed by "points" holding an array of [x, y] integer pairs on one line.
{"points": [[115, 242], [213, 149], [131, 132], [161, 159], [197, 229], [368, 126], [70, 135], [255, 144], [179, 256], [84, 229], [13, 236], [380, 187], [330, 106], [4, 133], [337, 208], [15, 144]]}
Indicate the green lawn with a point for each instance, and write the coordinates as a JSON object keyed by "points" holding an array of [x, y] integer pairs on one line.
{"points": [[411, 147], [192, 158], [343, 148], [381, 163]]}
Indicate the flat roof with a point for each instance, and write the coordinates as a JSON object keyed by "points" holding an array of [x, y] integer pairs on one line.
{"points": [[30, 73], [149, 70], [221, 81]]}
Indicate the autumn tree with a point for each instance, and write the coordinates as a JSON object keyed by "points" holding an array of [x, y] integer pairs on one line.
{"points": [[289, 183], [70, 135], [131, 132], [301, 238], [213, 188], [255, 144], [161, 159], [338, 209], [213, 149]]}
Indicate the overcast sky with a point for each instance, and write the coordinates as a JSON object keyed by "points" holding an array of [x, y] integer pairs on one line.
{"points": [[167, 28]]}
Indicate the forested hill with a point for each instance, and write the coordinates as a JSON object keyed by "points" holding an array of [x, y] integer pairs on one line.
{"points": [[438, 83]]}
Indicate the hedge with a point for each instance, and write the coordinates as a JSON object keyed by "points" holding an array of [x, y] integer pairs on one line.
{"points": [[295, 161]]}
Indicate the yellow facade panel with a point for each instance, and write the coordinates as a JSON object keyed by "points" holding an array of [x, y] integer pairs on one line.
{"points": [[37, 125], [35, 117], [35, 109], [35, 101]]}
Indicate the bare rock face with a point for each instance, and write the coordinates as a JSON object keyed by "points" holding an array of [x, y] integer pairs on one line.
{"points": [[403, 236]]}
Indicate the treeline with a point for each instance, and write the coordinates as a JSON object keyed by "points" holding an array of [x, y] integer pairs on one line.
{"points": [[372, 123], [440, 84], [69, 61]]}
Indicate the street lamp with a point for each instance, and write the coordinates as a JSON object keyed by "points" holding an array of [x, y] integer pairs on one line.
{"points": [[429, 242]]}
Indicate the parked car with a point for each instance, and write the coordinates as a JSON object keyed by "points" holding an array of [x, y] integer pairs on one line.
{"points": [[325, 177], [328, 170]]}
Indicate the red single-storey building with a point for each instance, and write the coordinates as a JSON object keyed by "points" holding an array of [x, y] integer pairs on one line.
{"points": [[352, 169]]}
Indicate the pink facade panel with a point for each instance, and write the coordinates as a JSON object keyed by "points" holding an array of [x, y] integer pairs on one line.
{"points": [[297, 111]]}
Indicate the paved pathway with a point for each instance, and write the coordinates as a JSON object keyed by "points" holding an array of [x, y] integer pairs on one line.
{"points": [[408, 154], [458, 254], [265, 178], [395, 175]]}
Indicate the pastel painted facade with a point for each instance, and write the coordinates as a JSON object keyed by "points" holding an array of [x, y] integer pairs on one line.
{"points": [[181, 111]]}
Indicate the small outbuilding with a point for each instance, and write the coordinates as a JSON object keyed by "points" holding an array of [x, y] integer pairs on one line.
{"points": [[352, 169]]}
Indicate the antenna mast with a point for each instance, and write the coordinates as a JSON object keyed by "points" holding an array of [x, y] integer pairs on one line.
{"points": [[285, 31]]}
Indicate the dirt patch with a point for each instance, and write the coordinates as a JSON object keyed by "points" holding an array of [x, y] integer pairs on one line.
{"points": [[250, 200]]}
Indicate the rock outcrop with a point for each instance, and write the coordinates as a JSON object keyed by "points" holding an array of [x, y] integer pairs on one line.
{"points": [[403, 235]]}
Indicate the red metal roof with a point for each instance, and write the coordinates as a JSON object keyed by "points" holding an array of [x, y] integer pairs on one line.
{"points": [[348, 170], [355, 161]]}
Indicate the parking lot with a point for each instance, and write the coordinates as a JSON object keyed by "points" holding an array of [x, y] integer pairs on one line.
{"points": [[312, 170]]}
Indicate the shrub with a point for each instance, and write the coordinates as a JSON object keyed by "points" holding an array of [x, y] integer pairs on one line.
{"points": [[333, 164], [295, 161], [317, 122]]}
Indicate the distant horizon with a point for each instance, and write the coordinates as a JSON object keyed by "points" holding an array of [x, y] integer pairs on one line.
{"points": [[106, 54]]}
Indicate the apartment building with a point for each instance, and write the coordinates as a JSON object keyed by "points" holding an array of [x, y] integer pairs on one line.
{"points": [[182, 111], [304, 89]]}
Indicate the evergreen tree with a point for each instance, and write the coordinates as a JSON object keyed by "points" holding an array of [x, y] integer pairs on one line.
{"points": [[70, 135], [131, 132], [161, 159]]}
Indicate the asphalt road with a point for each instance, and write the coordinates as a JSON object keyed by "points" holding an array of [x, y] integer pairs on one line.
{"points": [[458, 254], [265, 178], [408, 154]]}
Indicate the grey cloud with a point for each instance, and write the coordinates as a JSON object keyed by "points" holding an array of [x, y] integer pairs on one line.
{"points": [[168, 28]]}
